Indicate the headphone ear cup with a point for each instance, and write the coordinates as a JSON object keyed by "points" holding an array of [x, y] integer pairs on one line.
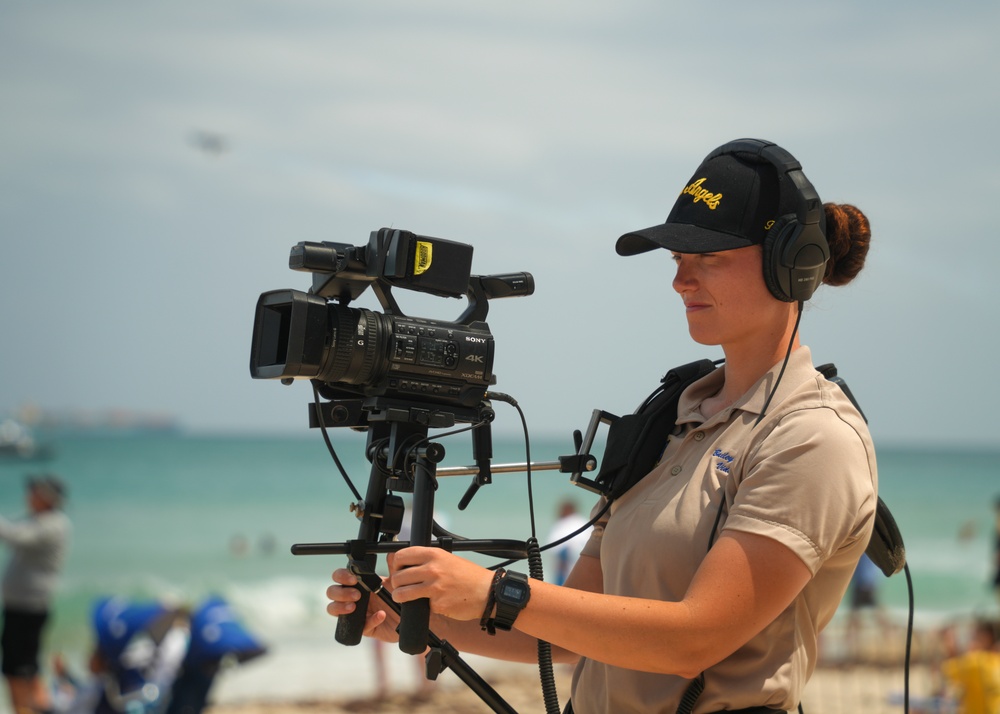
{"points": [[794, 259], [774, 245]]}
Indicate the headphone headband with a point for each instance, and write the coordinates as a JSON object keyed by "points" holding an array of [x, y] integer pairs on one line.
{"points": [[796, 250]]}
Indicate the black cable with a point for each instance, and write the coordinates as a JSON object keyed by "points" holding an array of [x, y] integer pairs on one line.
{"points": [[581, 529], [545, 673], [784, 363], [500, 396], [909, 641], [329, 444]]}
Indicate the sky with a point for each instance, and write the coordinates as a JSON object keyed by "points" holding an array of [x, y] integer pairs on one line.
{"points": [[159, 160]]}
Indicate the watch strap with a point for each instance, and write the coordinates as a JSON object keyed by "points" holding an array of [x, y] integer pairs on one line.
{"points": [[487, 622]]}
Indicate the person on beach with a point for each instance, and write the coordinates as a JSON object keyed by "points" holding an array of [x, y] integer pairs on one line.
{"points": [[709, 580], [973, 675], [38, 544], [864, 597], [568, 523]]}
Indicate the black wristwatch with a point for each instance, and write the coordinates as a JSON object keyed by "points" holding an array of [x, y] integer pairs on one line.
{"points": [[511, 593]]}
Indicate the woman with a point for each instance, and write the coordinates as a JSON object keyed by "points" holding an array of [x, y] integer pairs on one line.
{"points": [[713, 576]]}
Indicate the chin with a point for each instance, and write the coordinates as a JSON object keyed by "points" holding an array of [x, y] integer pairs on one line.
{"points": [[702, 336]]}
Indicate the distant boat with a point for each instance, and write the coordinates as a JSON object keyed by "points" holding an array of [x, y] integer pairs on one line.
{"points": [[17, 442]]}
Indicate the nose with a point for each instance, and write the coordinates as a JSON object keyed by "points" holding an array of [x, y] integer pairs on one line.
{"points": [[684, 276]]}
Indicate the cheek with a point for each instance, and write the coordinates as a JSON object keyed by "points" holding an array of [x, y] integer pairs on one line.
{"points": [[750, 293], [750, 306]]}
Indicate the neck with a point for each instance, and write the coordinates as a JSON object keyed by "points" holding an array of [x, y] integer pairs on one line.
{"points": [[747, 363]]}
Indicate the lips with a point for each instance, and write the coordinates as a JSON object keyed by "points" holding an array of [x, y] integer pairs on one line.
{"points": [[695, 306]]}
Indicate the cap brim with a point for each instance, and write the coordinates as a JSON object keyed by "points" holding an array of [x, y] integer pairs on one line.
{"points": [[680, 238]]}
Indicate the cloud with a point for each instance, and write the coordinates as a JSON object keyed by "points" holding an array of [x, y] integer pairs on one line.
{"points": [[535, 132]]}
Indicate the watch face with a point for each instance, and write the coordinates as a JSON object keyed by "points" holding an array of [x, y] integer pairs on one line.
{"points": [[513, 591]]}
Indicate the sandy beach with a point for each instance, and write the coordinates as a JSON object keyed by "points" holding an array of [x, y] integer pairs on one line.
{"points": [[871, 680], [867, 688]]}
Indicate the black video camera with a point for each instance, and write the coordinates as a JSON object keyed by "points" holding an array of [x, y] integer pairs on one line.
{"points": [[359, 352]]}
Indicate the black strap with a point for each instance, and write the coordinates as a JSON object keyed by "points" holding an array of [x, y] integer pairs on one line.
{"points": [[635, 442]]}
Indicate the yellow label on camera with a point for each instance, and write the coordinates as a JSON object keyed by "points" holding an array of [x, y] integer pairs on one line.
{"points": [[422, 257]]}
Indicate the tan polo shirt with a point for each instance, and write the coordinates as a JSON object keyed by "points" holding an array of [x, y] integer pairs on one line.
{"points": [[805, 476]]}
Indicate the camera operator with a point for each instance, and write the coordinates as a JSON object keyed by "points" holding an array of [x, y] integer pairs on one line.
{"points": [[710, 579]]}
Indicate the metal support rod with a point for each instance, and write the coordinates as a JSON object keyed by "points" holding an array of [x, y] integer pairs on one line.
{"points": [[499, 468]]}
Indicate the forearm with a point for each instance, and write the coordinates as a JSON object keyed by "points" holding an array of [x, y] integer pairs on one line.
{"points": [[634, 633], [513, 646], [741, 587]]}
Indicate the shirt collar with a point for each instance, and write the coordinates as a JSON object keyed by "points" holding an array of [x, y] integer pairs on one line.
{"points": [[799, 369]]}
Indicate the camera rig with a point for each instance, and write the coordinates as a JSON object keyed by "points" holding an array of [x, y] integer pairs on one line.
{"points": [[395, 377]]}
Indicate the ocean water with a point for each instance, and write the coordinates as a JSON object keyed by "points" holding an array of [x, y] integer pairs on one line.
{"points": [[181, 517]]}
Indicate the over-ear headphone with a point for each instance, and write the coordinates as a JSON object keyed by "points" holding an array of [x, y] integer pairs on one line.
{"points": [[795, 250]]}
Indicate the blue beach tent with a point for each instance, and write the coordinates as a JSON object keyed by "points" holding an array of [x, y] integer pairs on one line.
{"points": [[161, 659], [216, 634]]}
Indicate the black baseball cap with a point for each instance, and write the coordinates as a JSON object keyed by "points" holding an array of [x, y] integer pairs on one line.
{"points": [[730, 202]]}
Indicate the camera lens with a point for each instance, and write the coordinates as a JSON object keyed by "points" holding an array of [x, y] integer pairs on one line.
{"points": [[358, 351]]}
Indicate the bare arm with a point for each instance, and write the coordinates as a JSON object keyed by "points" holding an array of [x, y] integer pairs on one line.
{"points": [[743, 584]]}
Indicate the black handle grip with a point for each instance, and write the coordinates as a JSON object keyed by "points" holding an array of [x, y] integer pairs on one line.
{"points": [[351, 628], [415, 618], [469, 493]]}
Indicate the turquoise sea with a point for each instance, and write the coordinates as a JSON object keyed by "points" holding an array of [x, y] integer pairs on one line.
{"points": [[181, 517]]}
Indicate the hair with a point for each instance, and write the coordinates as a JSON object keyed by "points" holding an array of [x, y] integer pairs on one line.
{"points": [[849, 236], [989, 629]]}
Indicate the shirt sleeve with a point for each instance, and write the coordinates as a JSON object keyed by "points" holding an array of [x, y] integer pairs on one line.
{"points": [[810, 485], [30, 533], [19, 533]]}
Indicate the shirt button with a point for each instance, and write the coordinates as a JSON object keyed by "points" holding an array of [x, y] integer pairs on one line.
{"points": [[699, 435], [675, 470]]}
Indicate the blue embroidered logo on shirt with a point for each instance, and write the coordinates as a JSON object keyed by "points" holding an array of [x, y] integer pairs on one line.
{"points": [[724, 460]]}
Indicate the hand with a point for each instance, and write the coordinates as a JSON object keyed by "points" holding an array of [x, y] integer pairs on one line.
{"points": [[457, 588], [381, 622]]}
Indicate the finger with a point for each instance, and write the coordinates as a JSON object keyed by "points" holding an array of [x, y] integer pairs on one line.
{"points": [[338, 608], [373, 621], [343, 593], [343, 576], [413, 555]]}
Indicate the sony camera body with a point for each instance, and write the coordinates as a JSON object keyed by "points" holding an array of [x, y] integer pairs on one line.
{"points": [[358, 352]]}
